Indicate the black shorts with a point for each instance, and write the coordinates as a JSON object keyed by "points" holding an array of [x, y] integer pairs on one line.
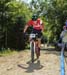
{"points": [[38, 32]]}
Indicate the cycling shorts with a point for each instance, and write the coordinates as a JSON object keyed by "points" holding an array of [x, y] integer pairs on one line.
{"points": [[38, 32]]}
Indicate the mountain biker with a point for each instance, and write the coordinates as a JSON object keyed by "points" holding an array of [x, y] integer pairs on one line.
{"points": [[38, 27]]}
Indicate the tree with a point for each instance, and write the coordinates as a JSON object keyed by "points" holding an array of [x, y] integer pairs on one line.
{"points": [[11, 11], [55, 13]]}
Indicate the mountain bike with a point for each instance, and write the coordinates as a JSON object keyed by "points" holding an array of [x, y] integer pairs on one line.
{"points": [[34, 46]]}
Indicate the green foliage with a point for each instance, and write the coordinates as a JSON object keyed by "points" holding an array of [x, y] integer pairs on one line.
{"points": [[5, 52], [55, 13], [13, 17], [56, 17]]}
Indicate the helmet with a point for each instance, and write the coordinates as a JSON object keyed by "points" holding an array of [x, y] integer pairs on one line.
{"points": [[34, 17]]}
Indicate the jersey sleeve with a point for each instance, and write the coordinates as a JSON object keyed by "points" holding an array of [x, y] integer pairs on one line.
{"points": [[41, 23], [30, 23]]}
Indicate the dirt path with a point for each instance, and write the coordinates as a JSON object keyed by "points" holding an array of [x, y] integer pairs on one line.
{"points": [[19, 64]]}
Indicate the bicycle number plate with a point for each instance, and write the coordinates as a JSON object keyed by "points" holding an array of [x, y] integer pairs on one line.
{"points": [[32, 36]]}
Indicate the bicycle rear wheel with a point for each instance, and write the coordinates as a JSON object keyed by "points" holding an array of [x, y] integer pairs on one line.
{"points": [[32, 47]]}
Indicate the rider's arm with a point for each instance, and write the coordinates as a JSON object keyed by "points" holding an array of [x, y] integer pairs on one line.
{"points": [[26, 26], [42, 27]]}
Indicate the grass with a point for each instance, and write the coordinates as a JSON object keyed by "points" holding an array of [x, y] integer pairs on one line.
{"points": [[6, 52]]}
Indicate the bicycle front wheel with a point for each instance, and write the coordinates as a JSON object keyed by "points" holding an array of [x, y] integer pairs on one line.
{"points": [[32, 47]]}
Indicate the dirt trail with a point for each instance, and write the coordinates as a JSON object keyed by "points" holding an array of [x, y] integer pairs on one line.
{"points": [[20, 64]]}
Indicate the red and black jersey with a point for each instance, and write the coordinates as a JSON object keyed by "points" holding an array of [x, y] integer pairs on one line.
{"points": [[36, 24]]}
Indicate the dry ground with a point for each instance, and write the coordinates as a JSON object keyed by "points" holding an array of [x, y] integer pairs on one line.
{"points": [[20, 64]]}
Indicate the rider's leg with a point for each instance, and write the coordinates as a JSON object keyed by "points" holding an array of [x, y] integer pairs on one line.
{"points": [[37, 50], [39, 45]]}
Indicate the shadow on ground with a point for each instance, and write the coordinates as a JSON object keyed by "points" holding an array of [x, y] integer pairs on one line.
{"points": [[31, 66]]}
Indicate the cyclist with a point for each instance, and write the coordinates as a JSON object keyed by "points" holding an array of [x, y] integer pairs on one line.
{"points": [[38, 28]]}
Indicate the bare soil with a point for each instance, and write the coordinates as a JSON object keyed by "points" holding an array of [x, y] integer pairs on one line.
{"points": [[20, 63]]}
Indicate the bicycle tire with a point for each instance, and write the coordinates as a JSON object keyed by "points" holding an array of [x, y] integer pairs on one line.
{"points": [[32, 51]]}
